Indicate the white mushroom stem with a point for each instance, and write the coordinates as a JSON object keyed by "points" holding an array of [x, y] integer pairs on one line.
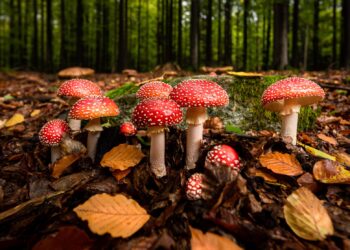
{"points": [[55, 153], [290, 123], [74, 124], [94, 127], [157, 154], [195, 117]]}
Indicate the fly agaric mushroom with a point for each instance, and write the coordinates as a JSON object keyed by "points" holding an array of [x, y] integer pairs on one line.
{"points": [[128, 129], [76, 89], [156, 115], [286, 97], [197, 95], [197, 187], [93, 108], [155, 89], [52, 134]]}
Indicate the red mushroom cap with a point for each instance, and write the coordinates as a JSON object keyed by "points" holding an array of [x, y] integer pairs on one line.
{"points": [[155, 89], [199, 93], [297, 90], [79, 88], [128, 129], [93, 107], [194, 186], [157, 112], [224, 155], [51, 134]]}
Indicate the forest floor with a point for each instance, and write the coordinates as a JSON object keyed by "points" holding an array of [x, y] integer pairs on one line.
{"points": [[249, 212]]}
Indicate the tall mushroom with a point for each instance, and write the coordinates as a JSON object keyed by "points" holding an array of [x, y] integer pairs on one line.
{"points": [[154, 89], [93, 108], [156, 115], [76, 89], [52, 134], [197, 95], [286, 97]]}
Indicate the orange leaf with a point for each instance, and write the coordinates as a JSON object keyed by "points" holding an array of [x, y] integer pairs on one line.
{"points": [[328, 139], [210, 241], [62, 164], [117, 215], [120, 174], [279, 163], [122, 157], [327, 171]]}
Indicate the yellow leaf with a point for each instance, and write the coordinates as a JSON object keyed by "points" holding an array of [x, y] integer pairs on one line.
{"points": [[116, 215], [62, 164], [122, 157], [343, 158], [210, 241], [327, 171], [316, 152], [328, 139], [35, 112], [306, 216], [15, 119], [279, 163], [245, 74]]}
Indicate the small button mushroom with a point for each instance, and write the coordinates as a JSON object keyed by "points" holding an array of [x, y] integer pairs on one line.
{"points": [[197, 95], [156, 115], [76, 89], [198, 187], [154, 89], [128, 129], [286, 97], [52, 134], [93, 108]]}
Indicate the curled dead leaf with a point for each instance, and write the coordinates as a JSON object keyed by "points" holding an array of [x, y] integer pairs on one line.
{"points": [[306, 216], [120, 174], [62, 164], [279, 163], [328, 139], [14, 120], [116, 215], [329, 172], [122, 157]]}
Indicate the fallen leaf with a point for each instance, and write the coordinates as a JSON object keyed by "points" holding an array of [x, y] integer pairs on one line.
{"points": [[35, 112], [15, 119], [117, 215], [120, 174], [244, 74], [328, 139], [266, 176], [327, 171], [210, 241], [122, 157], [343, 158], [316, 152], [279, 163], [62, 164], [67, 238], [306, 216], [2, 123]]}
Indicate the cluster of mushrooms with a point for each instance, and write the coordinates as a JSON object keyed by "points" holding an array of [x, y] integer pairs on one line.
{"points": [[160, 107]]}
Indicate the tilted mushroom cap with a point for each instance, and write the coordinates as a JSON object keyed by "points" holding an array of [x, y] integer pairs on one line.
{"points": [[78, 88], [75, 72], [199, 93], [295, 90], [157, 112], [155, 89], [93, 107], [224, 155], [51, 134], [128, 129]]}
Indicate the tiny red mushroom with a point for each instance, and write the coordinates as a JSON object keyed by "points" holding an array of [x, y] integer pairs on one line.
{"points": [[156, 115], [128, 129], [154, 89], [197, 187], [286, 97], [93, 108], [52, 134], [76, 89], [197, 95]]}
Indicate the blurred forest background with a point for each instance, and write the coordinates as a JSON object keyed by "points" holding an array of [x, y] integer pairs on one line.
{"points": [[110, 35]]}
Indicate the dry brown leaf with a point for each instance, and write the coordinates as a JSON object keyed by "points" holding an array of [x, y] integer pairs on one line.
{"points": [[15, 119], [266, 176], [331, 172], [122, 157], [120, 174], [306, 216], [35, 112], [117, 215], [62, 164], [279, 163], [342, 158], [2, 123], [210, 241], [328, 139]]}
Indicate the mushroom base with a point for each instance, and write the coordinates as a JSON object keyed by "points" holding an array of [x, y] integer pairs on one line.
{"points": [[74, 124], [92, 143], [290, 126], [193, 144], [157, 154], [55, 153]]}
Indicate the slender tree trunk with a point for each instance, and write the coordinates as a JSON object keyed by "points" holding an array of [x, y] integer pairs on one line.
{"points": [[159, 37], [280, 37], [122, 35], [49, 48], [98, 42], [257, 46], [19, 50], [35, 35], [219, 33], [168, 31], [179, 33], [315, 37], [106, 63], [42, 36], [147, 35], [345, 55], [79, 46], [334, 40], [237, 39], [208, 39], [139, 36], [12, 34], [245, 33], [194, 34], [306, 47], [228, 32], [268, 39], [295, 51], [25, 34], [63, 57]]}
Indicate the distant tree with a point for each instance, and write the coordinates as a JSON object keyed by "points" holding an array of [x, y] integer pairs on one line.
{"points": [[245, 33], [122, 58], [334, 40], [315, 40], [79, 46], [228, 32], [194, 34], [219, 32], [179, 33], [280, 35], [295, 28], [49, 27], [139, 36], [208, 36], [345, 55], [268, 39], [35, 35]]}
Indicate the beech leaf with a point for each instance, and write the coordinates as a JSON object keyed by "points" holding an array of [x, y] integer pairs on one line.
{"points": [[331, 172], [279, 163], [14, 120], [116, 215], [328, 139], [306, 216], [63, 163]]}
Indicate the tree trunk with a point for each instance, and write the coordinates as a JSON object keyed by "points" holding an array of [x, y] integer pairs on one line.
{"points": [[12, 34], [35, 35], [63, 57], [237, 39], [169, 31], [315, 40], [122, 60], [194, 34], [334, 40], [280, 38], [159, 29], [306, 47], [245, 33], [295, 51], [208, 39], [42, 36], [79, 46], [219, 32], [228, 32], [49, 48], [345, 55], [106, 66], [19, 50], [139, 36], [179, 33], [147, 35], [268, 39]]}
